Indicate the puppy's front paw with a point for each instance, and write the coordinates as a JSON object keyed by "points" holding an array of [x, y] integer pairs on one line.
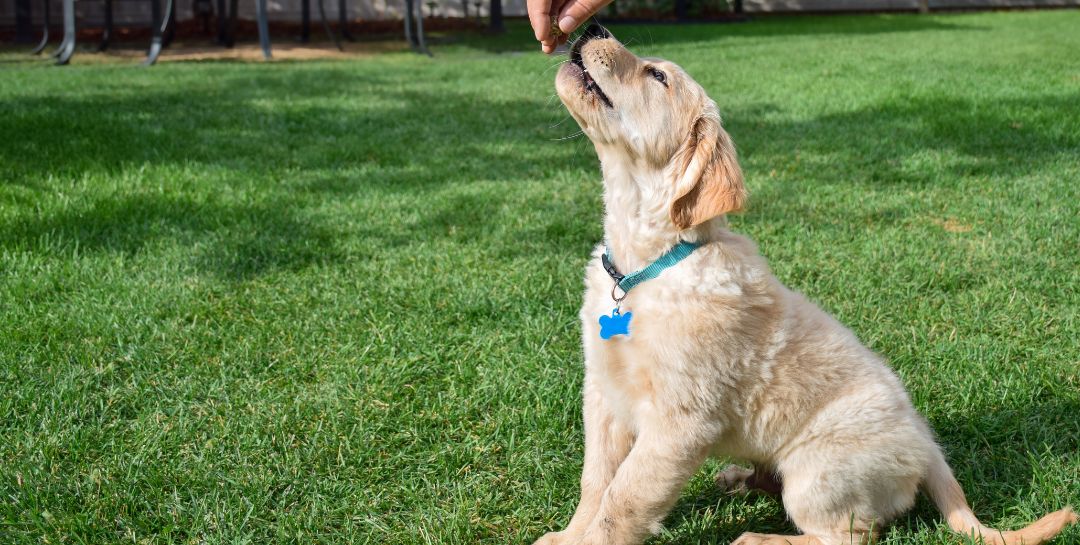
{"points": [[732, 480], [749, 538], [551, 538]]}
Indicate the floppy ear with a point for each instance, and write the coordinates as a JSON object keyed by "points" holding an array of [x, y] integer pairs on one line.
{"points": [[708, 180]]}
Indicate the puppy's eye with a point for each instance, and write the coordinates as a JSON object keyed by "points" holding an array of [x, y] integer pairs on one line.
{"points": [[659, 76]]}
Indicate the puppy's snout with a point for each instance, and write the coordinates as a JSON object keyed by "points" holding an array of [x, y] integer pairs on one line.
{"points": [[598, 50], [593, 32], [603, 54]]}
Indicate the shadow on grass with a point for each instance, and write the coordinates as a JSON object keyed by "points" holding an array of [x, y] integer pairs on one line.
{"points": [[402, 145], [996, 138], [777, 26], [284, 162], [406, 142]]}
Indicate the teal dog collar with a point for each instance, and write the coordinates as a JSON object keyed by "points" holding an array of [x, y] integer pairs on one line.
{"points": [[617, 323]]}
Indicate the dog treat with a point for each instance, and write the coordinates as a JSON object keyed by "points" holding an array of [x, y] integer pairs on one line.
{"points": [[555, 31]]}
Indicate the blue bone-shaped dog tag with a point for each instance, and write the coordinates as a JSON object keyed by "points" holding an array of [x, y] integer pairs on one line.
{"points": [[616, 324]]}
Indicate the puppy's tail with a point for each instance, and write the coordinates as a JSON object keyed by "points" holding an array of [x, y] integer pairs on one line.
{"points": [[942, 487]]}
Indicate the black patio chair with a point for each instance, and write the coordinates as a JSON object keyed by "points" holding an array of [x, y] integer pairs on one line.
{"points": [[162, 27], [159, 24]]}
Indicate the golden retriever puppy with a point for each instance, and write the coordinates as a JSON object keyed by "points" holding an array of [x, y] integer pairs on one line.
{"points": [[712, 355]]}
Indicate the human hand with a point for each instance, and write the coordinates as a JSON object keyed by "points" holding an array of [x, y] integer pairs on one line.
{"points": [[569, 14]]}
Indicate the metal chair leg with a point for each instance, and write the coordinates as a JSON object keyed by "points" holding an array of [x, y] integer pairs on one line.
{"points": [[107, 34], [343, 22], [326, 25], [169, 27], [222, 23], [230, 33], [420, 30], [408, 25], [305, 21], [264, 29], [59, 49], [45, 30], [67, 47], [158, 29]]}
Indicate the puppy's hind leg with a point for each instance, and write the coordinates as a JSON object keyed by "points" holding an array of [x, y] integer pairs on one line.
{"points": [[739, 480], [806, 510], [844, 491], [732, 479]]}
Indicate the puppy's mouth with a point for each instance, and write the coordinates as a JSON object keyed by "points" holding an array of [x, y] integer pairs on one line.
{"points": [[587, 81]]}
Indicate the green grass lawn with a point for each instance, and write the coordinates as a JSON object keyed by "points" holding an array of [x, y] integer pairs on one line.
{"points": [[335, 302]]}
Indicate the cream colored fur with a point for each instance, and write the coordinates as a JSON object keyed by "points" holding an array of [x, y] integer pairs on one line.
{"points": [[722, 359]]}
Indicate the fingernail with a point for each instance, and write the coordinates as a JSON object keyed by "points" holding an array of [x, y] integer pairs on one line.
{"points": [[568, 24]]}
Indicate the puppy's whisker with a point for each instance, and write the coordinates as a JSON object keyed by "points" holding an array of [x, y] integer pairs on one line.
{"points": [[553, 114], [555, 110], [578, 149], [548, 69], [560, 63], [561, 122], [556, 57], [556, 60], [640, 41], [575, 135]]}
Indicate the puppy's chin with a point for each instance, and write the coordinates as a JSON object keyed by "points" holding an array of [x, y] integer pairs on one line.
{"points": [[572, 73]]}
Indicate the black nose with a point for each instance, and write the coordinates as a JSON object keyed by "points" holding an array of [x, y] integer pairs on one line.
{"points": [[592, 32], [595, 31]]}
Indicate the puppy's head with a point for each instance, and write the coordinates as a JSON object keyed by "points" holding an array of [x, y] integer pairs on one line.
{"points": [[649, 114]]}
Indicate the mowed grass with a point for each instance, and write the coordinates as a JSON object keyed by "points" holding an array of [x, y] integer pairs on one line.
{"points": [[336, 302]]}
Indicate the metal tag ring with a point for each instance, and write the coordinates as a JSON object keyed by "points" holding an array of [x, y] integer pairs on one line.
{"points": [[617, 299]]}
